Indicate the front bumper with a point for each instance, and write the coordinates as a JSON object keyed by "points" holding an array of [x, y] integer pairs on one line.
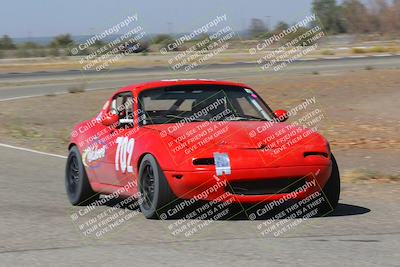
{"points": [[205, 185]]}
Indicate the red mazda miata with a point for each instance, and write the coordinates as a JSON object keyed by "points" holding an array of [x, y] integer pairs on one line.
{"points": [[181, 140]]}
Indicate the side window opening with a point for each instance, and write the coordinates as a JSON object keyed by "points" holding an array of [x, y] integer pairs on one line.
{"points": [[122, 105]]}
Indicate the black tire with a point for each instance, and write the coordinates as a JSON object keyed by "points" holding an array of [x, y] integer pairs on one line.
{"points": [[77, 185], [331, 190], [155, 193]]}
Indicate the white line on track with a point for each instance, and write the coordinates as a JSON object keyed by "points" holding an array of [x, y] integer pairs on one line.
{"points": [[358, 56], [32, 151], [19, 97], [382, 55], [57, 93], [333, 57]]}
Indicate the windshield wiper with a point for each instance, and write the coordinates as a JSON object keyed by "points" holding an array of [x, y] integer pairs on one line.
{"points": [[247, 118], [182, 118], [236, 118]]}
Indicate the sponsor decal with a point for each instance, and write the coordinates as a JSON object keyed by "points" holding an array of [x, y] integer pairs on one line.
{"points": [[94, 152]]}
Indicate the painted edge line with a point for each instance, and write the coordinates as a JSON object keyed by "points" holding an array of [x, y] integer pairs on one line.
{"points": [[382, 55], [19, 97], [32, 151], [57, 93]]}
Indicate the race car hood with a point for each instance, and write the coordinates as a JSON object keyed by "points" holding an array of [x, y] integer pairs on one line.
{"points": [[247, 144], [238, 135]]}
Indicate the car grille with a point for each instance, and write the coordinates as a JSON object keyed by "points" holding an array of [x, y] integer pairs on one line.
{"points": [[265, 186]]}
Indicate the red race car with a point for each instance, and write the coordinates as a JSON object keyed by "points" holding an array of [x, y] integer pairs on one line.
{"points": [[189, 140]]}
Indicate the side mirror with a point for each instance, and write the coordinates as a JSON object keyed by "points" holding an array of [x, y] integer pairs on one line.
{"points": [[109, 119], [281, 114]]}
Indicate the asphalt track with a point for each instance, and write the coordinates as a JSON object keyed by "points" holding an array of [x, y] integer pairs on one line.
{"points": [[42, 83], [37, 229]]}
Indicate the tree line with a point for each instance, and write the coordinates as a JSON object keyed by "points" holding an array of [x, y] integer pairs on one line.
{"points": [[32, 49], [351, 16]]}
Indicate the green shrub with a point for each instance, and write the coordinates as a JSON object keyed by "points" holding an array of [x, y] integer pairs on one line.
{"points": [[54, 51], [374, 49], [358, 50], [328, 52], [302, 40], [22, 53], [378, 49], [162, 39], [264, 35], [77, 89]]}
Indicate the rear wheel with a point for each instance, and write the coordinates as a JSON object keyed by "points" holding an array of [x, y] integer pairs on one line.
{"points": [[331, 190], [156, 194], [77, 184]]}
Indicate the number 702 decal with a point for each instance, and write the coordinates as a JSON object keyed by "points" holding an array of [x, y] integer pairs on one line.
{"points": [[124, 153]]}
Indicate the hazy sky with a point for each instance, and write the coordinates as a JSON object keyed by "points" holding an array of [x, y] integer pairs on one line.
{"points": [[38, 18]]}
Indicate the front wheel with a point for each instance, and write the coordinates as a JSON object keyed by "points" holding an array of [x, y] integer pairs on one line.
{"points": [[154, 188], [77, 184], [331, 190]]}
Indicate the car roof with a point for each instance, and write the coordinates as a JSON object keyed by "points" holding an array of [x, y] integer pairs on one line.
{"points": [[165, 83]]}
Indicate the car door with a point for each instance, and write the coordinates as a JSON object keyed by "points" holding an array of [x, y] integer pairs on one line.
{"points": [[124, 148], [108, 171]]}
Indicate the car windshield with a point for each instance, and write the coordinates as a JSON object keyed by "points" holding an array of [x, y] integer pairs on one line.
{"points": [[192, 103]]}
